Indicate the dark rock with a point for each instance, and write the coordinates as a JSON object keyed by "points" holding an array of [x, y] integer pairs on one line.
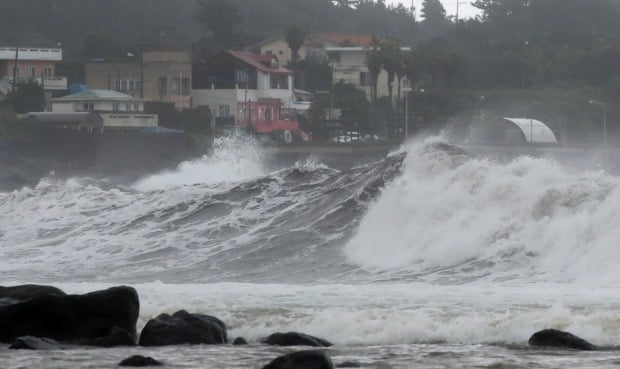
{"points": [[302, 360], [240, 341], [139, 360], [13, 294], [35, 343], [72, 317], [349, 364], [183, 328], [556, 338], [295, 339], [117, 337]]}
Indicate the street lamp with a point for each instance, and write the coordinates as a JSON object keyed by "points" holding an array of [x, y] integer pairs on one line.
{"points": [[593, 102]]}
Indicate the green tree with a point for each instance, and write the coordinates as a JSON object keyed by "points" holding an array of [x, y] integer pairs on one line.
{"points": [[295, 37], [435, 22], [27, 97], [222, 18]]}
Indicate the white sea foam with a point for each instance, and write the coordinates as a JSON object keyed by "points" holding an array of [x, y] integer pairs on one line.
{"points": [[461, 219], [389, 314], [234, 158]]}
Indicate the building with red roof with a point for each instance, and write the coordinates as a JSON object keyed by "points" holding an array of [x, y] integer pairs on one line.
{"points": [[230, 81]]}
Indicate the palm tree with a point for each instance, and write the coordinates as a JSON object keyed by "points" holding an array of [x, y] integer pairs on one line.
{"points": [[295, 37], [392, 63], [374, 62]]}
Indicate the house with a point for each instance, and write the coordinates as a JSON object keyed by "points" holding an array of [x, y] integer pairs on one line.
{"points": [[229, 80], [158, 75], [116, 110], [349, 66], [313, 47], [25, 64]]}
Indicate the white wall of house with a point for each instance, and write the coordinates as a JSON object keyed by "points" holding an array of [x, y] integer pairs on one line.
{"points": [[221, 101], [93, 105], [120, 120], [351, 68]]}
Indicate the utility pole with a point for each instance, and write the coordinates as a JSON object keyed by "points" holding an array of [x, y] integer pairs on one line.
{"points": [[458, 3], [15, 69]]}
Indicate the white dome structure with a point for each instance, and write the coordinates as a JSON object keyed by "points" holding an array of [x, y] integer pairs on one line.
{"points": [[534, 130]]}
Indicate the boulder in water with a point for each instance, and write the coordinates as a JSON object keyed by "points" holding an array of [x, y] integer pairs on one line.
{"points": [[72, 317], [557, 338], [295, 339], [239, 341], [183, 328], [117, 337], [139, 361], [14, 294], [313, 359], [35, 343]]}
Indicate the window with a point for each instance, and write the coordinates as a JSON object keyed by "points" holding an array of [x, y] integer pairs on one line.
{"points": [[124, 85], [334, 56], [117, 85], [136, 107], [162, 84], [185, 90], [175, 85], [33, 72], [116, 106], [364, 79], [224, 111], [132, 85], [128, 107], [279, 81], [47, 72], [241, 76], [89, 106]]}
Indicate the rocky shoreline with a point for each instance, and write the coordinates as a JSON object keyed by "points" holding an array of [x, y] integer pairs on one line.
{"points": [[38, 317]]}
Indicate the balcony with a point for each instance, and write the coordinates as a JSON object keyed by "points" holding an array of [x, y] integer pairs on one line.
{"points": [[48, 83]]}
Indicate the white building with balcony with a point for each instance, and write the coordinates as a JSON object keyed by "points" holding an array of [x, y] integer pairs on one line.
{"points": [[230, 79], [349, 66]]}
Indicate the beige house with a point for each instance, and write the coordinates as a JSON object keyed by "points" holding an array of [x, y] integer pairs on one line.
{"points": [[117, 110], [349, 66], [314, 46], [158, 75]]}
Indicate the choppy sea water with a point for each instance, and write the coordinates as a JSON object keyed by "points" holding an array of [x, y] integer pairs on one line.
{"points": [[432, 257]]}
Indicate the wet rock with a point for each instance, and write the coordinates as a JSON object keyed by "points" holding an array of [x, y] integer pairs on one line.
{"points": [[183, 328], [556, 338], [35, 343], [72, 318], [117, 337], [14, 294], [240, 341], [295, 339], [313, 359], [139, 360]]}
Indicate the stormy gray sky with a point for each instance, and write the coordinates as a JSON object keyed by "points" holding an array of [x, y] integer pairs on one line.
{"points": [[465, 8]]}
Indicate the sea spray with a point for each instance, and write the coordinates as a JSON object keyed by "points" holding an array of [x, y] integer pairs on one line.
{"points": [[234, 157], [454, 220]]}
